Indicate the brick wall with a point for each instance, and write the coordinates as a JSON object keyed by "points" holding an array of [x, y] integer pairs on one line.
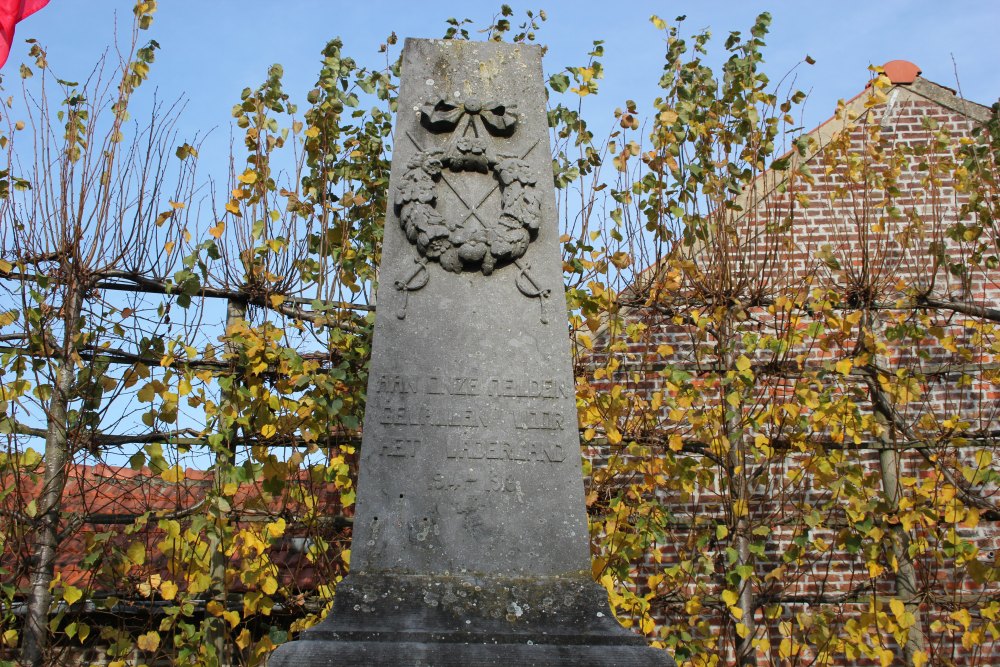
{"points": [[867, 245]]}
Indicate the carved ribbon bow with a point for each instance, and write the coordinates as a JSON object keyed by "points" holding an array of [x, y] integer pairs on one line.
{"points": [[446, 115]]}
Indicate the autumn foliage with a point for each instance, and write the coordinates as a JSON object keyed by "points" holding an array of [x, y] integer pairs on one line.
{"points": [[787, 360]]}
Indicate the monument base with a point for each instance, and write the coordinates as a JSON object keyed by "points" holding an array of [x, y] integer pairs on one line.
{"points": [[432, 621]]}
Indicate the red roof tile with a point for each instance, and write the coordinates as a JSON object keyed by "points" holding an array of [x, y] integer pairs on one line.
{"points": [[109, 497]]}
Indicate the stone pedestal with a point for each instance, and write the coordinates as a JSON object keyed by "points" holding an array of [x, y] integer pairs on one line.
{"points": [[470, 541]]}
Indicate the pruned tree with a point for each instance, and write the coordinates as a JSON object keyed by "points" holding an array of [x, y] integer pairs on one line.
{"points": [[786, 423], [82, 187]]}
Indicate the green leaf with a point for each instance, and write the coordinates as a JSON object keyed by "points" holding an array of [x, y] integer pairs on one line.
{"points": [[137, 460], [559, 82], [147, 393]]}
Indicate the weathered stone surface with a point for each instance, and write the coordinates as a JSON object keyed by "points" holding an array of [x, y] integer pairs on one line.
{"points": [[470, 539]]}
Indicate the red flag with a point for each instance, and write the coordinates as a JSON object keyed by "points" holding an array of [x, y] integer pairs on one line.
{"points": [[12, 11]]}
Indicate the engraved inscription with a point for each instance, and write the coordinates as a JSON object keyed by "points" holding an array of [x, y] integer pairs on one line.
{"points": [[472, 386], [478, 482], [401, 447], [485, 432], [426, 415], [443, 402], [506, 451]]}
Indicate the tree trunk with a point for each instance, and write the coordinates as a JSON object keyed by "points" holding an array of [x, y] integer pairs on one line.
{"points": [[739, 494], [906, 574], [57, 459], [217, 633], [745, 652]]}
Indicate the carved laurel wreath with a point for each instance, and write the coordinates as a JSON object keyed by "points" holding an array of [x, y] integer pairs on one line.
{"points": [[474, 241]]}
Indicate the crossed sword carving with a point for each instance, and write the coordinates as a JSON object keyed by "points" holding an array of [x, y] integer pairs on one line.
{"points": [[419, 278]]}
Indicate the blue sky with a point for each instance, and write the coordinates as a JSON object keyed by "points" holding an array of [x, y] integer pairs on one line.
{"points": [[212, 49]]}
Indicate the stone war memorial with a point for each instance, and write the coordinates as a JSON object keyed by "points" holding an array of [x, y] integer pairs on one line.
{"points": [[470, 542]]}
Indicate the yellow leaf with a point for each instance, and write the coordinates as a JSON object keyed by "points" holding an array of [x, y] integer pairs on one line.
{"points": [[742, 364], [984, 458], [312, 132], [232, 617], [345, 556], [216, 232], [844, 366], [693, 606], [169, 246], [730, 597], [173, 474], [276, 528], [214, 607], [244, 639], [168, 590], [668, 117], [270, 586], [277, 300], [10, 638], [614, 436], [742, 629], [137, 553], [248, 177], [268, 430], [658, 23], [176, 205], [149, 641], [72, 594], [664, 350], [740, 508], [233, 206], [962, 616], [5, 266]]}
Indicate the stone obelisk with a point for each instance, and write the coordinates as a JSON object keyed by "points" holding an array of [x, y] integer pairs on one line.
{"points": [[470, 543]]}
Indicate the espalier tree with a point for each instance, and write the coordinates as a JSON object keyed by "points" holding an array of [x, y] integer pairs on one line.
{"points": [[752, 424]]}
